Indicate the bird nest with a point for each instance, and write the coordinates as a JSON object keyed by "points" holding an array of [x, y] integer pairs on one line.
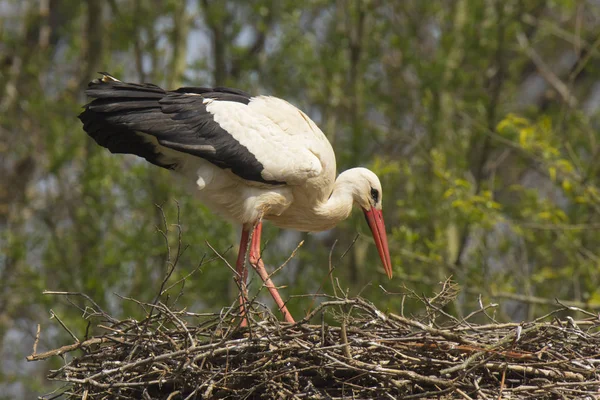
{"points": [[362, 353]]}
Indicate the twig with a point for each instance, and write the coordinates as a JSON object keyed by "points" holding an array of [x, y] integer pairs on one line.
{"points": [[53, 315], [66, 349], [505, 367], [549, 76], [37, 340], [85, 296]]}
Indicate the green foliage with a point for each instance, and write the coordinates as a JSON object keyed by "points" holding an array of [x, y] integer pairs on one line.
{"points": [[480, 117]]}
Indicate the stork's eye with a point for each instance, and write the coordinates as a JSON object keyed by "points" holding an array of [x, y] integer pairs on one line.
{"points": [[375, 195]]}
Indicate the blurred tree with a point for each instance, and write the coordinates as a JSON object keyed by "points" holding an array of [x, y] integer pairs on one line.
{"points": [[480, 117]]}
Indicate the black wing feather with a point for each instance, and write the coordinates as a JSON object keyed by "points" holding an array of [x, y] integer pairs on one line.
{"points": [[177, 120]]}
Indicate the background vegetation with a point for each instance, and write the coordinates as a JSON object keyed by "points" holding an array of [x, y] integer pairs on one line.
{"points": [[480, 116]]}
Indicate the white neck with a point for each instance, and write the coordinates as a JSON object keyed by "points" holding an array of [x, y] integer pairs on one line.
{"points": [[339, 205], [327, 214], [337, 208]]}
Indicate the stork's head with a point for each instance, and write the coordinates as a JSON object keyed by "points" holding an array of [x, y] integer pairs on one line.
{"points": [[367, 193]]}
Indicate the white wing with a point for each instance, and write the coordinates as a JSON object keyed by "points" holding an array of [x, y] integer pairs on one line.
{"points": [[283, 139]]}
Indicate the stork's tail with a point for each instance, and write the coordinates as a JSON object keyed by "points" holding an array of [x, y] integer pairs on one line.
{"points": [[107, 118], [106, 77]]}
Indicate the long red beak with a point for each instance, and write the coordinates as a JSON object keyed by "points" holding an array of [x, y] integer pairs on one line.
{"points": [[375, 221]]}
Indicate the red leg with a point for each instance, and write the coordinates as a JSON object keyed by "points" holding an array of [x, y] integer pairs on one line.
{"points": [[242, 274], [259, 266]]}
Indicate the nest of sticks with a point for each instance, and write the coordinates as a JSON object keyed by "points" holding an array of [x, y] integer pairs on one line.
{"points": [[362, 353]]}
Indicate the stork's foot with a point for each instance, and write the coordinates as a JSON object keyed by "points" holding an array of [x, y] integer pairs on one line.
{"points": [[242, 276], [242, 273], [243, 309], [259, 266]]}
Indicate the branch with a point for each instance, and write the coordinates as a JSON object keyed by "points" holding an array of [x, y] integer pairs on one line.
{"points": [[547, 74]]}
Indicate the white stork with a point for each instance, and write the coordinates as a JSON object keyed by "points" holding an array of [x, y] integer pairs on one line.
{"points": [[250, 158]]}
